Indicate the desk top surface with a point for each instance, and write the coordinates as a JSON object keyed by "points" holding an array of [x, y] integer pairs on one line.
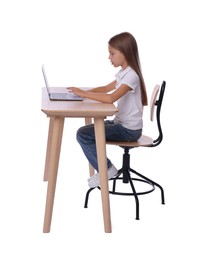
{"points": [[85, 108]]}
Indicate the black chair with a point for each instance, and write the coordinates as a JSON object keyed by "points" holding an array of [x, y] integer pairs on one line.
{"points": [[124, 174]]}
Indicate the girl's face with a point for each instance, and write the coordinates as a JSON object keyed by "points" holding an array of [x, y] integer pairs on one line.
{"points": [[117, 58]]}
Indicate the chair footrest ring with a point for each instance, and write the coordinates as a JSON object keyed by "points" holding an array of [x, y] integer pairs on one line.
{"points": [[131, 193]]}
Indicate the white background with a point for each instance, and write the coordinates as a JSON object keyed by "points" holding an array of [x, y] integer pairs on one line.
{"points": [[70, 38]]}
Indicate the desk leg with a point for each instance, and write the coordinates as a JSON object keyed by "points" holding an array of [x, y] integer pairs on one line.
{"points": [[54, 146], [49, 139], [88, 121], [102, 165]]}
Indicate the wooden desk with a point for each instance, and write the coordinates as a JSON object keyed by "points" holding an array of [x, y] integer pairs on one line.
{"points": [[57, 111]]}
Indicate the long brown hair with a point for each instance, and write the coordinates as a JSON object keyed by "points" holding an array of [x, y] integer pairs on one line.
{"points": [[126, 43]]}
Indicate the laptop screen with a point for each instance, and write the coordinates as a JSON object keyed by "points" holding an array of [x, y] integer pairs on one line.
{"points": [[45, 78]]}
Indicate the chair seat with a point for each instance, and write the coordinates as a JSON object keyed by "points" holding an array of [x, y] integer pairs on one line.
{"points": [[143, 141]]}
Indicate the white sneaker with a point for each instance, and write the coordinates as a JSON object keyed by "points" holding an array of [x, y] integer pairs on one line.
{"points": [[94, 181], [95, 176], [112, 171]]}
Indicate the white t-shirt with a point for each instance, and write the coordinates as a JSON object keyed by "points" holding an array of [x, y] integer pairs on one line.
{"points": [[130, 108]]}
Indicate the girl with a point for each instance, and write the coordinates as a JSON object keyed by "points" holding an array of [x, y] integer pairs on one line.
{"points": [[128, 89]]}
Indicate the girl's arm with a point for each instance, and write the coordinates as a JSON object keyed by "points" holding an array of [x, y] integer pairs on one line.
{"points": [[103, 89], [103, 97]]}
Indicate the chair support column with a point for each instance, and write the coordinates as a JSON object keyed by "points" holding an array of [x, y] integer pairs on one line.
{"points": [[126, 166]]}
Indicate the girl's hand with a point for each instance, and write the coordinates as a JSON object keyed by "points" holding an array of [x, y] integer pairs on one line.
{"points": [[76, 91]]}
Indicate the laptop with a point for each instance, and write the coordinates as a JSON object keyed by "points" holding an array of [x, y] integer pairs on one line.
{"points": [[59, 96]]}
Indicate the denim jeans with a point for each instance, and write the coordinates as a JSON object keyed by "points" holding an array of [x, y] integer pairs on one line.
{"points": [[113, 132]]}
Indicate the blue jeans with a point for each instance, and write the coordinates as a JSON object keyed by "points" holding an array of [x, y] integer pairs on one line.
{"points": [[113, 132]]}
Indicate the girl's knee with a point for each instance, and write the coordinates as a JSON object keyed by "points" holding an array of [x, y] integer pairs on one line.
{"points": [[79, 133], [85, 134]]}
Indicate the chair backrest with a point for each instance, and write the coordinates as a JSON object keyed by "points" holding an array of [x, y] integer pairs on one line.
{"points": [[154, 102]]}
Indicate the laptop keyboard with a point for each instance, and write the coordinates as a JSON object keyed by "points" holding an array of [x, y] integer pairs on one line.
{"points": [[65, 96]]}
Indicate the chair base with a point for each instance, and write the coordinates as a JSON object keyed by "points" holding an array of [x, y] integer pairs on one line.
{"points": [[126, 178], [124, 175]]}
